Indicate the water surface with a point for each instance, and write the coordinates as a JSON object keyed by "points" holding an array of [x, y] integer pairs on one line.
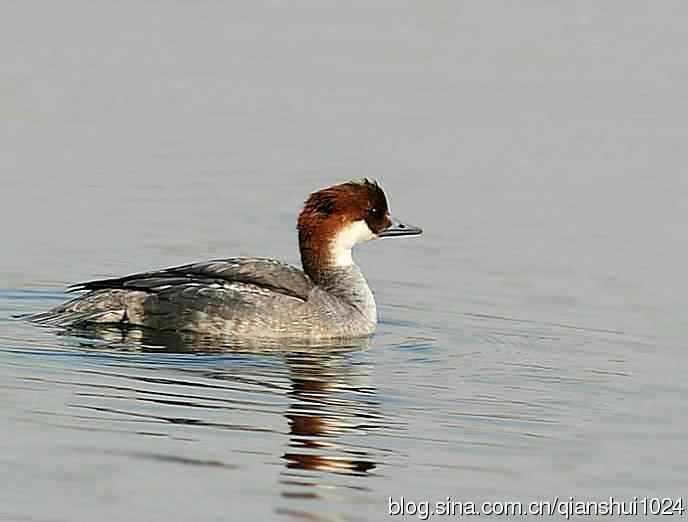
{"points": [[532, 341]]}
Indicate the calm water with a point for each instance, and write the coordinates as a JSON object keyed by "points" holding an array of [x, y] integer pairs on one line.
{"points": [[532, 342]]}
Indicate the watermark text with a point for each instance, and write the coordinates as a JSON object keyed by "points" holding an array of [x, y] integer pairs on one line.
{"points": [[562, 507]]}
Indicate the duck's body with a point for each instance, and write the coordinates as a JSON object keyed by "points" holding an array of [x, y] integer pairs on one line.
{"points": [[253, 296], [239, 296]]}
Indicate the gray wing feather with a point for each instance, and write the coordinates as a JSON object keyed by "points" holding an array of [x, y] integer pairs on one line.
{"points": [[266, 273]]}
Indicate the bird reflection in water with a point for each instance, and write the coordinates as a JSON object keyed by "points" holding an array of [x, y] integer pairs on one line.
{"points": [[331, 399]]}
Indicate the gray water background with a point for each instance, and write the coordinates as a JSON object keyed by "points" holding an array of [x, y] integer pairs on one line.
{"points": [[531, 342]]}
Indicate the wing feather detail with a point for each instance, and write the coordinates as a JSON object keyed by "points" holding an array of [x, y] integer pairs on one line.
{"points": [[268, 274]]}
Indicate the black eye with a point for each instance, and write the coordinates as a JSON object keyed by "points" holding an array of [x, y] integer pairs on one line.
{"points": [[324, 207], [375, 212]]}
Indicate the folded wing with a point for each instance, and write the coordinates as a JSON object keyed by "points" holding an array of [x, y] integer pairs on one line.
{"points": [[264, 273]]}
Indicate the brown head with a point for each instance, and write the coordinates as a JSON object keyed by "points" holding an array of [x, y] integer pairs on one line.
{"points": [[337, 218]]}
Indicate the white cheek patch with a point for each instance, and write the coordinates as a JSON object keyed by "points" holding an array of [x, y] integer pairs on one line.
{"points": [[350, 236]]}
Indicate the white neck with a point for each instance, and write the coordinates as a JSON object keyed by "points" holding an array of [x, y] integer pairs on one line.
{"points": [[348, 237]]}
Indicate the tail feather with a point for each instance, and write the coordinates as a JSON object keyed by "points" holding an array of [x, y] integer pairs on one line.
{"points": [[66, 318]]}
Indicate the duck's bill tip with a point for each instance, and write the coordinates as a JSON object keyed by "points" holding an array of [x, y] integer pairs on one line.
{"points": [[397, 229]]}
